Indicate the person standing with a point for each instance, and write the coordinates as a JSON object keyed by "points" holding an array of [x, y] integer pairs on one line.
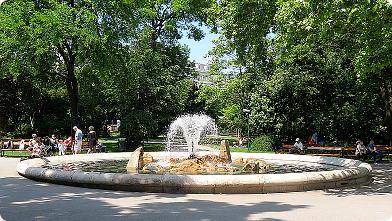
{"points": [[53, 144], [62, 149], [92, 139], [78, 140]]}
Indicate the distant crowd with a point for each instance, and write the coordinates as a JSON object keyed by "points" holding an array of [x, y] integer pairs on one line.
{"points": [[38, 146]]}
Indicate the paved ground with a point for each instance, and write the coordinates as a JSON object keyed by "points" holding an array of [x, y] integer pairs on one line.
{"points": [[24, 199]]}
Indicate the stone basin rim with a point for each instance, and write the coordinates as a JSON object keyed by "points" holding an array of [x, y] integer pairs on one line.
{"points": [[353, 173]]}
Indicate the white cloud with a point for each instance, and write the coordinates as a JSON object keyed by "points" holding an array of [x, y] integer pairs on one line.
{"points": [[390, 2]]}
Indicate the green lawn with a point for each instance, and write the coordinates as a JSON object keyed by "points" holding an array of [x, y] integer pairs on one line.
{"points": [[233, 149], [16, 154], [112, 146], [154, 144]]}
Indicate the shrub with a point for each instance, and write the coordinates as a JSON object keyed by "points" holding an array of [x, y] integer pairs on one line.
{"points": [[263, 143], [137, 126]]}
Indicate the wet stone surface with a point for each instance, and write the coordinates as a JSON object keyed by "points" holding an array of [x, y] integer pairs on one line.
{"points": [[119, 166]]}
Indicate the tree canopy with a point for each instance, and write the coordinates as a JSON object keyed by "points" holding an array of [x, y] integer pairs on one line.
{"points": [[299, 66]]}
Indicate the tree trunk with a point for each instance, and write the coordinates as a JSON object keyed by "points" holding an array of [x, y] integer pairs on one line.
{"points": [[68, 54], [73, 90], [386, 92], [388, 110]]}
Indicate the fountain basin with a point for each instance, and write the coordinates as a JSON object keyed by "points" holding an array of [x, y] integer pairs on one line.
{"points": [[352, 172]]}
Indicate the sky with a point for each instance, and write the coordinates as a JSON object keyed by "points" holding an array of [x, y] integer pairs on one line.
{"points": [[200, 48]]}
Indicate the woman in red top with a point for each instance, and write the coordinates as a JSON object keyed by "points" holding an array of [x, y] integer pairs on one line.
{"points": [[67, 143]]}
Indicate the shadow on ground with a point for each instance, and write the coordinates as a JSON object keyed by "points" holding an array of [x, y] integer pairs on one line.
{"points": [[381, 185], [23, 199]]}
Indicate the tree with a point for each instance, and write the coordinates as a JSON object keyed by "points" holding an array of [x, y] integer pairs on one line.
{"points": [[49, 39], [244, 27], [366, 23], [316, 89], [156, 76], [166, 20]]}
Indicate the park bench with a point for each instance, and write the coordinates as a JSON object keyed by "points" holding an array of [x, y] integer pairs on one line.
{"points": [[286, 147], [314, 149], [4, 143], [325, 151], [386, 151]]}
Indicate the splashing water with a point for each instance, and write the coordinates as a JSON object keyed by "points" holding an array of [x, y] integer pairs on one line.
{"points": [[191, 127]]}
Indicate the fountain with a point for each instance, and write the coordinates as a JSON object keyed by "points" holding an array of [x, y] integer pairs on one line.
{"points": [[348, 172], [191, 127]]}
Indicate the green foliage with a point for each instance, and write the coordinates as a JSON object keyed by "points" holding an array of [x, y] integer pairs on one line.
{"points": [[244, 26], [264, 143], [137, 126], [227, 98], [299, 66], [109, 57], [368, 23]]}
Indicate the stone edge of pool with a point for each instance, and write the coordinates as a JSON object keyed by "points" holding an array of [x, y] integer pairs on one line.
{"points": [[353, 173]]}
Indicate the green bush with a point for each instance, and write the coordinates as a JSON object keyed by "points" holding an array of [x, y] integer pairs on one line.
{"points": [[263, 143], [137, 126]]}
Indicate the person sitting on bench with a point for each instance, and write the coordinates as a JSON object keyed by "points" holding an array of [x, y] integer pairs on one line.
{"points": [[372, 150], [32, 143], [38, 148], [360, 150], [297, 147]]}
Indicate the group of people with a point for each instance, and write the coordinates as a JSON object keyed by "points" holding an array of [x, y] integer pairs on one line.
{"points": [[362, 151], [36, 146]]}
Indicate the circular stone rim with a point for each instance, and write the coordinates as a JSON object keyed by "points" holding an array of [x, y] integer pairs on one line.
{"points": [[353, 173]]}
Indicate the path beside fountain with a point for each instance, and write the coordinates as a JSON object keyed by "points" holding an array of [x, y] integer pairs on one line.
{"points": [[24, 199]]}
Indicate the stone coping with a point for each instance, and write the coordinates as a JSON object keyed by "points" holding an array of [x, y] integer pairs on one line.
{"points": [[353, 172]]}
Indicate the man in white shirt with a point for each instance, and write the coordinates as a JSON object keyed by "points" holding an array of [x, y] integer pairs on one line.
{"points": [[78, 140], [297, 147]]}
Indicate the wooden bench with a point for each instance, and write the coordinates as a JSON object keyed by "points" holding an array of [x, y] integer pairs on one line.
{"points": [[286, 148], [348, 151], [325, 151], [4, 143], [386, 151]]}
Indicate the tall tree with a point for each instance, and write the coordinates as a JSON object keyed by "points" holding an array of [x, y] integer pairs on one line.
{"points": [[243, 27], [47, 37], [368, 24], [243, 45]]}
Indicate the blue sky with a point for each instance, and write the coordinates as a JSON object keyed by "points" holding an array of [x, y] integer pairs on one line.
{"points": [[200, 48]]}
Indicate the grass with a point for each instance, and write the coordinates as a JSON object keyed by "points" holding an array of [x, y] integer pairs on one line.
{"points": [[155, 145], [16, 154], [111, 146], [234, 149]]}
